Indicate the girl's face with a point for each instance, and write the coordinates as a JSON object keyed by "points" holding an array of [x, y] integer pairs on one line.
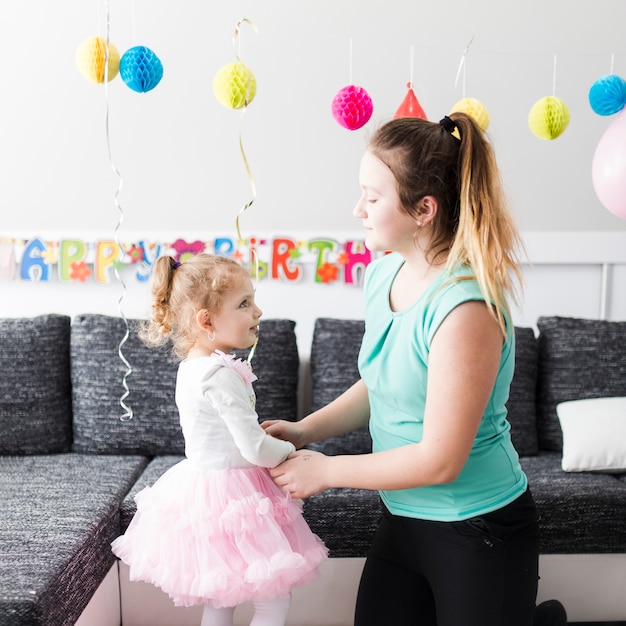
{"points": [[387, 226], [236, 324]]}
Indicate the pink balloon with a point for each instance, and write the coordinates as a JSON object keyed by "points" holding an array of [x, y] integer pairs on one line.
{"points": [[608, 169]]}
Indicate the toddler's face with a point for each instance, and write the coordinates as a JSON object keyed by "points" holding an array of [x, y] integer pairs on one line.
{"points": [[236, 324]]}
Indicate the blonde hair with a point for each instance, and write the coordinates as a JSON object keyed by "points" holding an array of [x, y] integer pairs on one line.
{"points": [[179, 291], [473, 225]]}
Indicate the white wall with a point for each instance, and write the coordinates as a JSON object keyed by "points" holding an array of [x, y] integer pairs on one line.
{"points": [[177, 148]]}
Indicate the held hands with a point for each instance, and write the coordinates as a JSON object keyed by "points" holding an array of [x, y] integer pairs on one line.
{"points": [[302, 474], [304, 471]]}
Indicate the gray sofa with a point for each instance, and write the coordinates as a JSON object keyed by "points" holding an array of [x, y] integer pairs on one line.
{"points": [[70, 467]]}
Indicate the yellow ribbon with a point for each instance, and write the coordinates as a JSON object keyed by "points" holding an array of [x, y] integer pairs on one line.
{"points": [[241, 241], [247, 205]]}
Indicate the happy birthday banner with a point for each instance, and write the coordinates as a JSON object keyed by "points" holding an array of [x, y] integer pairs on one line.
{"points": [[289, 259]]}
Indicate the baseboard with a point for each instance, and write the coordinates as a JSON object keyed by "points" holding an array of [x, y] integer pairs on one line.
{"points": [[591, 587], [327, 602]]}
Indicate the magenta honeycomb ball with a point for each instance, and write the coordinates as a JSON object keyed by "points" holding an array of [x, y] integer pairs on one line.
{"points": [[352, 107]]}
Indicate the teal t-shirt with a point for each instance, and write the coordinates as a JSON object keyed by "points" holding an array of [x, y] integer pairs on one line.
{"points": [[393, 363]]}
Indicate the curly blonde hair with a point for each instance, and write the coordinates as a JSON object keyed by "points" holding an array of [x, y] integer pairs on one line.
{"points": [[179, 291]]}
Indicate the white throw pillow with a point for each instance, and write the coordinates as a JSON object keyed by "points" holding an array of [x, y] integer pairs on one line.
{"points": [[594, 434]]}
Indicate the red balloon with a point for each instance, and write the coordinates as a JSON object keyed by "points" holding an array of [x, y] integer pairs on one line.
{"points": [[410, 106]]}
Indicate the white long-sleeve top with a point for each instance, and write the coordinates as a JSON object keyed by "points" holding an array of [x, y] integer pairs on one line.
{"points": [[216, 403]]}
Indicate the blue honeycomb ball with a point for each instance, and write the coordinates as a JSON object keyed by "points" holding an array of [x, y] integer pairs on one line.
{"points": [[141, 69], [608, 94]]}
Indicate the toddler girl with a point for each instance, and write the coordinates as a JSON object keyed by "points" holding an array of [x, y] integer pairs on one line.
{"points": [[214, 529]]}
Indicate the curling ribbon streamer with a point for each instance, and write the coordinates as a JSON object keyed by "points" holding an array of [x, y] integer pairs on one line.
{"points": [[245, 207], [128, 412]]}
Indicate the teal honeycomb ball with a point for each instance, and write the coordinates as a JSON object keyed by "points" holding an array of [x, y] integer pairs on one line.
{"points": [[141, 69], [607, 95]]}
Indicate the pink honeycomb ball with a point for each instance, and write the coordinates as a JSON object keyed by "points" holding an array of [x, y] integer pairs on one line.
{"points": [[352, 107]]}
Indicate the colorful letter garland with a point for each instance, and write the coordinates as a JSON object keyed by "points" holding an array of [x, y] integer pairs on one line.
{"points": [[288, 259]]}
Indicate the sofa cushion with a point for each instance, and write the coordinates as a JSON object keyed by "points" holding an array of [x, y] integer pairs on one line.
{"points": [[35, 395], [97, 388], [154, 470], [334, 355], [594, 435], [578, 358], [521, 405], [334, 368], [58, 516], [98, 372], [276, 363], [345, 519], [580, 513]]}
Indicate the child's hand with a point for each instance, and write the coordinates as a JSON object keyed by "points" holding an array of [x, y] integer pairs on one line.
{"points": [[287, 431], [302, 474]]}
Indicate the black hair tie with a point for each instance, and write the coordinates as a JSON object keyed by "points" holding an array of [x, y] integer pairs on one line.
{"points": [[448, 124]]}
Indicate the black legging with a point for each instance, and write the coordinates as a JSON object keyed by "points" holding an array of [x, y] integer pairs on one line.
{"points": [[478, 572]]}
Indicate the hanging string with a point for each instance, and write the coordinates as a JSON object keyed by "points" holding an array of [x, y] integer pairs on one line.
{"points": [[253, 255], [132, 18], [127, 410], [462, 63], [612, 61], [554, 77], [350, 63]]}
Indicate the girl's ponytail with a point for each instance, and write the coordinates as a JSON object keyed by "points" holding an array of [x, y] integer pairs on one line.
{"points": [[486, 238], [157, 330]]}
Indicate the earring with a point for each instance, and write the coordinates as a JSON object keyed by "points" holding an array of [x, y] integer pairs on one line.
{"points": [[211, 336]]}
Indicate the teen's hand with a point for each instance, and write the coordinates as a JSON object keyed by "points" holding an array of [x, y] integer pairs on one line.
{"points": [[302, 474], [287, 431]]}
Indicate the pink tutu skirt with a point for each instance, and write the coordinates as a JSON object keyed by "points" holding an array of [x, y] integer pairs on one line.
{"points": [[221, 537]]}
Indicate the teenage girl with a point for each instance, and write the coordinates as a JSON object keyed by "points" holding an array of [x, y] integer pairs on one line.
{"points": [[458, 543]]}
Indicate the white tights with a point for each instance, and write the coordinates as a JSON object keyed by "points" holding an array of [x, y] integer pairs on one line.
{"points": [[266, 613]]}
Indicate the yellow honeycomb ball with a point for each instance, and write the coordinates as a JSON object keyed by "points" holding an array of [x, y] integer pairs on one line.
{"points": [[234, 85], [548, 117], [475, 109], [90, 56]]}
